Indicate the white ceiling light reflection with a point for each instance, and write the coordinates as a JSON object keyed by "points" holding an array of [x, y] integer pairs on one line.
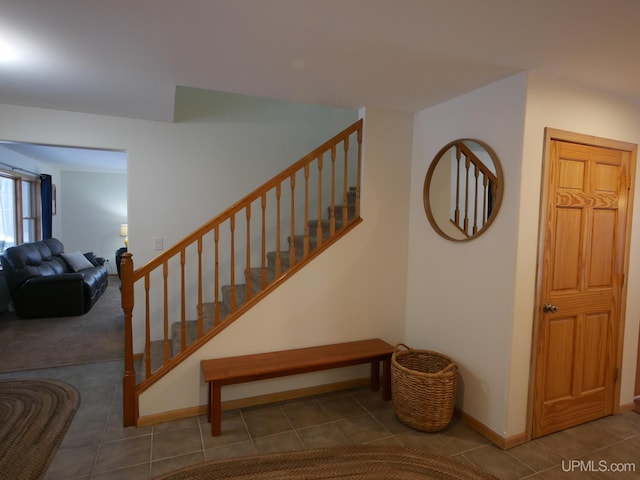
{"points": [[7, 52], [21, 52]]}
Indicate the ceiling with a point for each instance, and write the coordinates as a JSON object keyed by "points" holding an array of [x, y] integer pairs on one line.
{"points": [[125, 57]]}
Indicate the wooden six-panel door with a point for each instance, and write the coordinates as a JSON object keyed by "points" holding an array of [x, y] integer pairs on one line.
{"points": [[581, 284]]}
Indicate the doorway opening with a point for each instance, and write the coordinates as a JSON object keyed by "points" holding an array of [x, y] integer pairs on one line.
{"points": [[90, 185]]}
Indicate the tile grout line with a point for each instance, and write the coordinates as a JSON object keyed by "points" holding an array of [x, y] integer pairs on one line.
{"points": [[204, 457], [295, 430], [104, 429], [246, 427]]}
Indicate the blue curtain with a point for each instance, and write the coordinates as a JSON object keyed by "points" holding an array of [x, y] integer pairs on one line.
{"points": [[46, 195]]}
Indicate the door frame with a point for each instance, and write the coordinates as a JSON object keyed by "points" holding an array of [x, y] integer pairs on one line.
{"points": [[589, 140]]}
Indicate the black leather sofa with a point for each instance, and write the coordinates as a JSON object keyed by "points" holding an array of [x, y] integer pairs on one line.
{"points": [[44, 281]]}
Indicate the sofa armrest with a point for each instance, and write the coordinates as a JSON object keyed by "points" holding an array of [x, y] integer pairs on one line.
{"points": [[50, 296]]}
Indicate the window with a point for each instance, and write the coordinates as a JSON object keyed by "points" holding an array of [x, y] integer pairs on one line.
{"points": [[19, 209]]}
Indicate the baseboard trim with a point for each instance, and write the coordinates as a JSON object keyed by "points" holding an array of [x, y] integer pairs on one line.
{"points": [[154, 419], [628, 407], [514, 440], [504, 443]]}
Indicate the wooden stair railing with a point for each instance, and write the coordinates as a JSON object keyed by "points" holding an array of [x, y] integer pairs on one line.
{"points": [[191, 273]]}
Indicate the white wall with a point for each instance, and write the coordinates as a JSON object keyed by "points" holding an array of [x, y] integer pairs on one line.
{"points": [[355, 290], [460, 295], [92, 206]]}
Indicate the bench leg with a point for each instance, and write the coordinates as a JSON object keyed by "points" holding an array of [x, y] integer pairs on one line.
{"points": [[374, 382], [386, 378], [215, 408], [209, 401]]}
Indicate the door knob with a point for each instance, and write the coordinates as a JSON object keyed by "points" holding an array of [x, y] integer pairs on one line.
{"points": [[548, 308]]}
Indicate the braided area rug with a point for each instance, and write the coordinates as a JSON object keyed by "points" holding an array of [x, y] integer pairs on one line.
{"points": [[353, 462], [34, 417]]}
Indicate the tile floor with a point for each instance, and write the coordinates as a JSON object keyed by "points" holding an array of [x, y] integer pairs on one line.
{"points": [[97, 447]]}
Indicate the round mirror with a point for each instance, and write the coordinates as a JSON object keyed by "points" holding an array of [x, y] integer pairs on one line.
{"points": [[463, 189]]}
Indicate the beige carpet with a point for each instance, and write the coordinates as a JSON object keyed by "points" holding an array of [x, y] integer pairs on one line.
{"points": [[352, 462], [96, 336], [34, 416]]}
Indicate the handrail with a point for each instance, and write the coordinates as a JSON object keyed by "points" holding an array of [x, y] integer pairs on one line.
{"points": [[218, 242]]}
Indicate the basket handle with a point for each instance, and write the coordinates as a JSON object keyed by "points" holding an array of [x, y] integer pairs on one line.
{"points": [[398, 345], [449, 368]]}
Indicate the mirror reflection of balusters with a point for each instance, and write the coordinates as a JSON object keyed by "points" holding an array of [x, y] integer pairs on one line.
{"points": [[478, 181], [463, 189]]}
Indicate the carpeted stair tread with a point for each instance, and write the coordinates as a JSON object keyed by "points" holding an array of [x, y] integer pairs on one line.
{"points": [[299, 240], [175, 345], [208, 311], [156, 353], [284, 259], [339, 212], [256, 277], [191, 329], [326, 226], [191, 326], [240, 295]]}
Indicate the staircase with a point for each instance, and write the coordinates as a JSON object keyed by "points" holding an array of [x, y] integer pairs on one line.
{"points": [[184, 302], [240, 294]]}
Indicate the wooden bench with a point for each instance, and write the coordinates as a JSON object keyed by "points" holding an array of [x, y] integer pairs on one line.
{"points": [[248, 368]]}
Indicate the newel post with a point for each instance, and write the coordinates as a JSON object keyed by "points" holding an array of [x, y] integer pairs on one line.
{"points": [[129, 403]]}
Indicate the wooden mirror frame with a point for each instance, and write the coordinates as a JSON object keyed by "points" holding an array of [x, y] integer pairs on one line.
{"points": [[496, 197]]}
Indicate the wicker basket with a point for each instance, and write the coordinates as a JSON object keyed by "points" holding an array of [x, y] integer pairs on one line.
{"points": [[423, 385]]}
